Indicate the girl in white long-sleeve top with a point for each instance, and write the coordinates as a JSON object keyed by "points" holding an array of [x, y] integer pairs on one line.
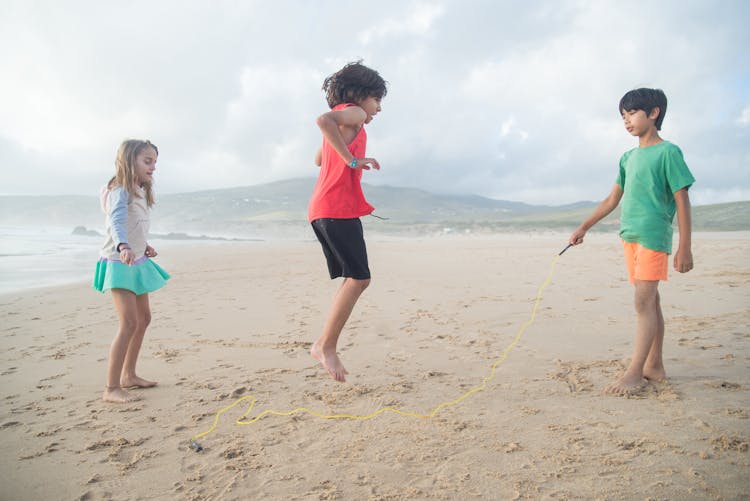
{"points": [[125, 266]]}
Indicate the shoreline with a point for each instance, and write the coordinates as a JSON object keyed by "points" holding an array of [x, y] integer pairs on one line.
{"points": [[83, 275]]}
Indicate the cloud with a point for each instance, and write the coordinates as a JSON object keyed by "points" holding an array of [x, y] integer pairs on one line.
{"points": [[509, 100], [417, 21], [744, 119]]}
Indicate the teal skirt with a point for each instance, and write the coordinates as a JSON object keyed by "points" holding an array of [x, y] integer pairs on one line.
{"points": [[141, 277]]}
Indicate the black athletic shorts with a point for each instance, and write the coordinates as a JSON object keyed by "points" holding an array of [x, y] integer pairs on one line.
{"points": [[343, 244]]}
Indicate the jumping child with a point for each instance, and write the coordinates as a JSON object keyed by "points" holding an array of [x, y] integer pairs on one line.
{"points": [[653, 184], [125, 266], [353, 93]]}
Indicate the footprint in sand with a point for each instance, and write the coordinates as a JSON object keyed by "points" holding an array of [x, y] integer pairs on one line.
{"points": [[738, 413], [696, 342], [168, 355], [576, 375], [290, 347], [725, 385], [733, 443]]}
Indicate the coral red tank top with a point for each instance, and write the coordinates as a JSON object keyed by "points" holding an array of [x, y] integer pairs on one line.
{"points": [[338, 192]]}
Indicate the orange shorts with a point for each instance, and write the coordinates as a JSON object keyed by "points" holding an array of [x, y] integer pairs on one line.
{"points": [[645, 264]]}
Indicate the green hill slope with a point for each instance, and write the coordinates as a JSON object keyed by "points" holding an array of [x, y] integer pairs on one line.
{"points": [[244, 210]]}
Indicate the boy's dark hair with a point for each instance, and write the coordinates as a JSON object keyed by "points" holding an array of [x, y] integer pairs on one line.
{"points": [[353, 83], [646, 100]]}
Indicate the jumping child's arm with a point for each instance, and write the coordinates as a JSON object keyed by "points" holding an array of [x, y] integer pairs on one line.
{"points": [[683, 258], [340, 127], [608, 205]]}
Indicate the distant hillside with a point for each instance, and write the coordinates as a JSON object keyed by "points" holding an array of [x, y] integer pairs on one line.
{"points": [[722, 217], [251, 210], [407, 209]]}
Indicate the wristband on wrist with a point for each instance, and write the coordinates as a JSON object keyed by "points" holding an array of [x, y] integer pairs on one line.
{"points": [[353, 163], [122, 246]]}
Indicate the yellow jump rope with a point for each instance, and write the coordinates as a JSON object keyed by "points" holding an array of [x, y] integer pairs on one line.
{"points": [[197, 447]]}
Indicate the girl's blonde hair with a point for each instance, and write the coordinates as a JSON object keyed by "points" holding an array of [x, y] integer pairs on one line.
{"points": [[125, 168]]}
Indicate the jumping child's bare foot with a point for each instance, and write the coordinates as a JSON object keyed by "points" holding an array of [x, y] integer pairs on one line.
{"points": [[626, 385], [117, 395], [657, 374], [136, 382], [330, 361]]}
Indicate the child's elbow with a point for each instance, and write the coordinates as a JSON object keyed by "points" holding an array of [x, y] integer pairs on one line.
{"points": [[323, 121]]}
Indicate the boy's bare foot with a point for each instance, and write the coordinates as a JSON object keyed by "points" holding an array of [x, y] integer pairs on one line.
{"points": [[655, 374], [626, 385], [330, 362], [117, 395], [136, 382]]}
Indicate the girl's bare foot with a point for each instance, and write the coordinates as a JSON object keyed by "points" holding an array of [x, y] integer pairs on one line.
{"points": [[626, 385], [117, 395], [330, 361], [655, 374], [136, 382]]}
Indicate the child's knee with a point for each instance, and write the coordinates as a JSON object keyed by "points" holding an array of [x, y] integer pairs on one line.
{"points": [[646, 302], [128, 325], [362, 284], [145, 320]]}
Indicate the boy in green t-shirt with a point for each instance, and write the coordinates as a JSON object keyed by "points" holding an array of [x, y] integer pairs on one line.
{"points": [[653, 183]]}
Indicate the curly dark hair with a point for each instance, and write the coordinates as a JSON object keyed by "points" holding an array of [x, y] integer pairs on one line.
{"points": [[354, 83]]}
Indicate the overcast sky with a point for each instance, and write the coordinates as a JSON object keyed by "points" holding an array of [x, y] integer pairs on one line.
{"points": [[514, 100]]}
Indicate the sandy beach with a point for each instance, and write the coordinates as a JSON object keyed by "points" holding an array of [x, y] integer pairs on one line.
{"points": [[238, 319]]}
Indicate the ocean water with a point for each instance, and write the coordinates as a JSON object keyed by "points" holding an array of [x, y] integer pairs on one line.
{"points": [[32, 257], [41, 257]]}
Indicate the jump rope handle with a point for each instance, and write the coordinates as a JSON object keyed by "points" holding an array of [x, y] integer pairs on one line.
{"points": [[566, 248]]}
